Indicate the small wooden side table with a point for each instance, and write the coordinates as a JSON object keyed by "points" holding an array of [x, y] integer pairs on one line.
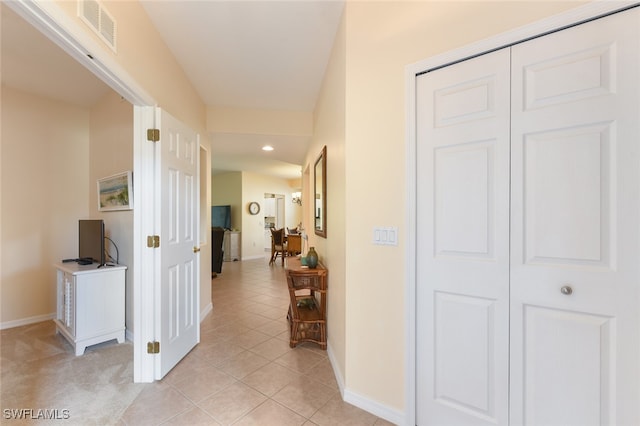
{"points": [[308, 308]]}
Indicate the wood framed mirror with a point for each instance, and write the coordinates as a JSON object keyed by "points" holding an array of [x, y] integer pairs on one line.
{"points": [[320, 194]]}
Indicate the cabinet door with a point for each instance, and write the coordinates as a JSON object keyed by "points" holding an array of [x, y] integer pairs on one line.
{"points": [[100, 303], [226, 246], [575, 323], [234, 245], [270, 207], [462, 319]]}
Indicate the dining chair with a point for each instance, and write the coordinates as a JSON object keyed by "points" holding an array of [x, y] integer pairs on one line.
{"points": [[294, 244], [278, 245]]}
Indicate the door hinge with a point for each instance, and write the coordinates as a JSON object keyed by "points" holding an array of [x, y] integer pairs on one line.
{"points": [[153, 241], [153, 135], [153, 347]]}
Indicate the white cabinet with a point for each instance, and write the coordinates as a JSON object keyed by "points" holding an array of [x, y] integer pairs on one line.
{"points": [[231, 246], [90, 304], [270, 207]]}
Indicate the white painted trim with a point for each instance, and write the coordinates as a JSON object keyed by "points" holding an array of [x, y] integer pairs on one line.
{"points": [[198, 260], [205, 233], [261, 256], [206, 311], [367, 404], [580, 14], [128, 335], [27, 321], [390, 414], [410, 250], [155, 228], [143, 258], [550, 24], [336, 371]]}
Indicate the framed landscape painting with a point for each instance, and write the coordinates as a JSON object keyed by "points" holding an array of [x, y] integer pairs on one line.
{"points": [[115, 192]]}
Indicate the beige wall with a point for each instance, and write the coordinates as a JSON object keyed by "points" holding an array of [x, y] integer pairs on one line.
{"points": [[330, 132], [254, 186], [146, 60], [158, 74], [111, 152], [238, 189], [381, 39], [45, 190], [58, 162]]}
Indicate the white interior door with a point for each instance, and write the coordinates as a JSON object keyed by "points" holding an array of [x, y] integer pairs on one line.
{"points": [[178, 207], [462, 347], [575, 263]]}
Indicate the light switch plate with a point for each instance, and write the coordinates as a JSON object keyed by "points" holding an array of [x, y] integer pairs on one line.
{"points": [[385, 235]]}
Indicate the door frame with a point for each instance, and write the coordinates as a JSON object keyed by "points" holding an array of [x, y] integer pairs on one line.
{"points": [[539, 28], [146, 262], [57, 26]]}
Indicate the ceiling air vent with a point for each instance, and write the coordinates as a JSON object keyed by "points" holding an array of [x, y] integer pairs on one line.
{"points": [[95, 16]]}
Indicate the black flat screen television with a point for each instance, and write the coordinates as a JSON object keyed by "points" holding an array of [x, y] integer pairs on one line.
{"points": [[221, 216], [91, 240]]}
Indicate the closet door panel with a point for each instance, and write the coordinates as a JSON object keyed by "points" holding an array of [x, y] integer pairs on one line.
{"points": [[563, 348], [575, 234], [463, 269], [464, 341], [567, 196], [463, 208]]}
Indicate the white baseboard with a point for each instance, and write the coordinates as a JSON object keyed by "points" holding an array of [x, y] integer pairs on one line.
{"points": [[260, 256], [128, 335], [47, 317], [389, 414], [205, 311], [336, 371], [26, 321]]}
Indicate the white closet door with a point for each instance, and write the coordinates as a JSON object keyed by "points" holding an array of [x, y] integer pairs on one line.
{"points": [[575, 242], [463, 243]]}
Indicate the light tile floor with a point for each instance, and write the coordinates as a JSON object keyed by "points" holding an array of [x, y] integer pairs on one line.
{"points": [[244, 372]]}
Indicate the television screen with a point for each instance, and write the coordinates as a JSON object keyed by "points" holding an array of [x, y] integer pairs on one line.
{"points": [[91, 240], [221, 216]]}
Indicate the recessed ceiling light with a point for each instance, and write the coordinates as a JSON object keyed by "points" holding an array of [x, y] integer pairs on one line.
{"points": [[267, 148]]}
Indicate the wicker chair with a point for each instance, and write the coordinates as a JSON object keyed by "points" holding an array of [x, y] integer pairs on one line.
{"points": [[307, 311], [278, 245], [294, 244]]}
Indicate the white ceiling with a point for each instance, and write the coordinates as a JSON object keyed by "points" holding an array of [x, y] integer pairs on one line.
{"points": [[250, 54], [242, 54]]}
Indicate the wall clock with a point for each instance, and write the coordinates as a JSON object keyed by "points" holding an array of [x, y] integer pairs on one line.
{"points": [[254, 208]]}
